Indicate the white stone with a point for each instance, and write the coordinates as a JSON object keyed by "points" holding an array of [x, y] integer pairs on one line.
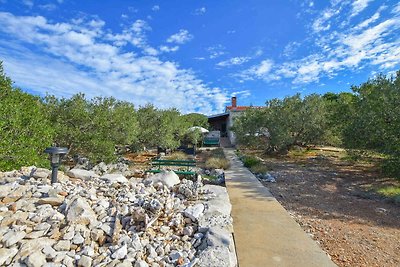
{"points": [[194, 212], [114, 178], [37, 259], [69, 235], [120, 253], [85, 261], [12, 237], [168, 178], [6, 254], [216, 256], [82, 174], [220, 199], [62, 245], [80, 212], [141, 263], [78, 239]]}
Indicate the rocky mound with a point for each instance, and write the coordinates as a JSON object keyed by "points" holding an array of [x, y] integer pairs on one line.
{"points": [[109, 220]]}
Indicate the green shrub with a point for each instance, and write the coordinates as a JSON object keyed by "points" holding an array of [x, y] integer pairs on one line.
{"points": [[392, 192], [391, 167], [25, 130], [249, 161], [92, 128]]}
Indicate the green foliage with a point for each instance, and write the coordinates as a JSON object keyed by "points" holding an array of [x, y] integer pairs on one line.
{"points": [[195, 119], [163, 128], [25, 130], [250, 161], [250, 127], [391, 192], [92, 128], [367, 119], [289, 122]]}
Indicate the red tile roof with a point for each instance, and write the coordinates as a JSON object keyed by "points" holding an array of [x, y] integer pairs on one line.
{"points": [[241, 108], [238, 108]]}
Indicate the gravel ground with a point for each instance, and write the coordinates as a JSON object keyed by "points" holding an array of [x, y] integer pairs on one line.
{"points": [[330, 200]]}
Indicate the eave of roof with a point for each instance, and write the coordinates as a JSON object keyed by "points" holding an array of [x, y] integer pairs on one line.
{"points": [[225, 114]]}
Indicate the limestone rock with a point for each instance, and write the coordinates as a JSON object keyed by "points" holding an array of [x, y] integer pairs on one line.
{"points": [[216, 256], [54, 201], [12, 237], [6, 254], [80, 212], [37, 259], [82, 174], [114, 178], [62, 245], [85, 261], [168, 178], [194, 212], [141, 263], [120, 253]]}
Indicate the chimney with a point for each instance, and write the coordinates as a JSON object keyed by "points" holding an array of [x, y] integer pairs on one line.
{"points": [[234, 101]]}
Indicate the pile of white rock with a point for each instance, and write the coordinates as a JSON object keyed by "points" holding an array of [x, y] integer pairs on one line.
{"points": [[109, 220]]}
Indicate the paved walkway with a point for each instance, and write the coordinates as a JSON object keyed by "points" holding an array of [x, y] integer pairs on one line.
{"points": [[265, 234]]}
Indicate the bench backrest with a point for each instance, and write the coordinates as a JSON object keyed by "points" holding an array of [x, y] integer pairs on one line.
{"points": [[166, 162]]}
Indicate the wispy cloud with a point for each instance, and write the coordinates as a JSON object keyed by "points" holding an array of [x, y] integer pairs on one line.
{"points": [[216, 51], [200, 11], [233, 61], [181, 37], [155, 8], [359, 6], [83, 55], [373, 42]]}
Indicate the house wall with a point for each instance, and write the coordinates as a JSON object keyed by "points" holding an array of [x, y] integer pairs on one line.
{"points": [[231, 118]]}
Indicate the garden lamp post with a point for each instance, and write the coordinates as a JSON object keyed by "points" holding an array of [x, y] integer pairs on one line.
{"points": [[56, 154]]}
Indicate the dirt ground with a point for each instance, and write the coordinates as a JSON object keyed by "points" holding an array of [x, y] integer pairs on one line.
{"points": [[331, 200]]}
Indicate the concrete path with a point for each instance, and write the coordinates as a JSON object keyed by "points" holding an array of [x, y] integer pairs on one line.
{"points": [[264, 232]]}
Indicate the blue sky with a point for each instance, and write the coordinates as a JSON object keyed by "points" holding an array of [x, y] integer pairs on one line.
{"points": [[195, 55]]}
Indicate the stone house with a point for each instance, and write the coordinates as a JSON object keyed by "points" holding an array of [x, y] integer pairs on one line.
{"points": [[224, 121]]}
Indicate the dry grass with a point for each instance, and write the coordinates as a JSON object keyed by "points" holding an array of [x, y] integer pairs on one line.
{"points": [[177, 155], [217, 163], [259, 168]]}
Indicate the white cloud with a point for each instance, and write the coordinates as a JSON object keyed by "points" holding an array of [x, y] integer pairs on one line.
{"points": [[233, 61], [259, 71], [155, 8], [80, 55], [48, 7], [373, 42], [181, 37], [241, 94], [216, 51], [200, 11], [264, 67], [168, 49], [358, 6]]}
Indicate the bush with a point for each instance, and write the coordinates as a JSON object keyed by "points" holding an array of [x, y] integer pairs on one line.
{"points": [[25, 130], [259, 168], [250, 161], [92, 128], [217, 163]]}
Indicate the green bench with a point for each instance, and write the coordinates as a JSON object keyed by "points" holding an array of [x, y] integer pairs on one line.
{"points": [[186, 166], [211, 141]]}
